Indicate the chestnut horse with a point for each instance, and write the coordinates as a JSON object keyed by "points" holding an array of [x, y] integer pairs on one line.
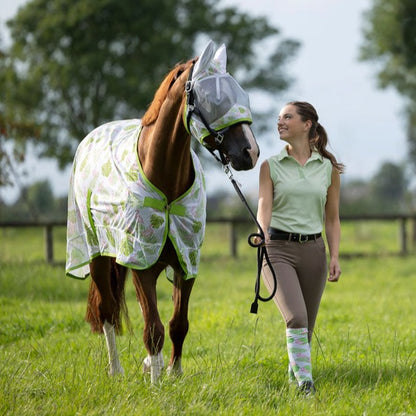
{"points": [[162, 155]]}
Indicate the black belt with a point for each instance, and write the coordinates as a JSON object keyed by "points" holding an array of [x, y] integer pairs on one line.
{"points": [[276, 234]]}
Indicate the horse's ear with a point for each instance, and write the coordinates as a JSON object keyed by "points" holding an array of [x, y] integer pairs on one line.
{"points": [[204, 59], [221, 58]]}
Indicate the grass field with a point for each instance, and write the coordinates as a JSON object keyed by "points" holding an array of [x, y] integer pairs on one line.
{"points": [[364, 351]]}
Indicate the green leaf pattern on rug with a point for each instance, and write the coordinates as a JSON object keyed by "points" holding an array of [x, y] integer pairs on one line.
{"points": [[126, 247], [110, 237], [193, 257], [156, 220], [196, 226], [91, 238], [106, 169]]}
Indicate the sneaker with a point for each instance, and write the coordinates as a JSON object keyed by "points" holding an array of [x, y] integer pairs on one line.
{"points": [[307, 388]]}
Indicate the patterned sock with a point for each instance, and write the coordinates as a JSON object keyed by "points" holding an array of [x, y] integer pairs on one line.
{"points": [[291, 375], [299, 353]]}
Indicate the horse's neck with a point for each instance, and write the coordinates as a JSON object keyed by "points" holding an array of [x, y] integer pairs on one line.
{"points": [[165, 156]]}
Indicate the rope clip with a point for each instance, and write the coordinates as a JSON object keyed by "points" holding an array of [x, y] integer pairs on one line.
{"points": [[227, 170]]}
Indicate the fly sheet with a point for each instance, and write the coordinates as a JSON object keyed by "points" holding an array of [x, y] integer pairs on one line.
{"points": [[113, 209]]}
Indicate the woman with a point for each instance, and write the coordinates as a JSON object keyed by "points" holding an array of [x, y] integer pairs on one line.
{"points": [[299, 192]]}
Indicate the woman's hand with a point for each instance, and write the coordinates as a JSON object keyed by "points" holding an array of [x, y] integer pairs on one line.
{"points": [[333, 226], [334, 271], [255, 240]]}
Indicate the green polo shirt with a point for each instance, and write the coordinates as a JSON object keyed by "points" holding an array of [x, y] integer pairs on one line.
{"points": [[299, 192]]}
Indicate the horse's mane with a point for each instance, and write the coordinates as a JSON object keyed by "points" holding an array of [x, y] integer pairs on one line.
{"points": [[152, 112]]}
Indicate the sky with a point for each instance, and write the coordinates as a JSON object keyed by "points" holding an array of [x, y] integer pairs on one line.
{"points": [[365, 125]]}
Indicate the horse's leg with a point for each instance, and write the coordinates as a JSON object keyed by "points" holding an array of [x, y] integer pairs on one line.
{"points": [[179, 324], [104, 308], [113, 359], [153, 331]]}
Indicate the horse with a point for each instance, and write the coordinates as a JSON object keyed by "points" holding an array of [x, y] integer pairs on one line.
{"points": [[116, 162]]}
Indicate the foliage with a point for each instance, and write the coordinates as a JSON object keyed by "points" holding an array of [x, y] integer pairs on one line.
{"points": [[76, 64], [390, 34], [389, 183], [36, 202], [364, 349], [15, 124], [390, 39], [227, 204], [387, 192]]}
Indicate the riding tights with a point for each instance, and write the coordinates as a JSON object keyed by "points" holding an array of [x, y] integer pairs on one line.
{"points": [[301, 270]]}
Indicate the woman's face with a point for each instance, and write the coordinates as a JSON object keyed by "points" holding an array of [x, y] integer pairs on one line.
{"points": [[290, 124]]}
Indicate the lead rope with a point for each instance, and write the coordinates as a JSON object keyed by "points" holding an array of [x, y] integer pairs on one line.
{"points": [[218, 136], [261, 248]]}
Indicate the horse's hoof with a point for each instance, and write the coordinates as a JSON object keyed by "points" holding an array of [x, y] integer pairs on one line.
{"points": [[175, 369], [146, 365], [116, 371], [154, 365]]}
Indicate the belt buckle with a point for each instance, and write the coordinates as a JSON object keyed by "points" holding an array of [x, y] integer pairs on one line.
{"points": [[303, 241]]}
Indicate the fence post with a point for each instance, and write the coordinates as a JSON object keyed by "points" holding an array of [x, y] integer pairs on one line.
{"points": [[403, 236], [233, 239], [49, 243]]}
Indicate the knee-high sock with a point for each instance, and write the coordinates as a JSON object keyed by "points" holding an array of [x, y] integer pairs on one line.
{"points": [[291, 375], [299, 353]]}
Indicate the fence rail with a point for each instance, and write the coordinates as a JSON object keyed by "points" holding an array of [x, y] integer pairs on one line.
{"points": [[233, 223]]}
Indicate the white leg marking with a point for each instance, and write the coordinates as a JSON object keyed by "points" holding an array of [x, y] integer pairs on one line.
{"points": [[175, 369], [110, 339], [254, 148], [154, 365]]}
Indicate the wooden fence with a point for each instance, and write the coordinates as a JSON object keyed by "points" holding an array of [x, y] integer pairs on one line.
{"points": [[403, 219], [233, 224]]}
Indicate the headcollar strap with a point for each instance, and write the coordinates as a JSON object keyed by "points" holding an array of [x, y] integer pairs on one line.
{"points": [[192, 109], [189, 99]]}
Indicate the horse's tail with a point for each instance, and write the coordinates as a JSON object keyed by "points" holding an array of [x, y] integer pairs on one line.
{"points": [[116, 306]]}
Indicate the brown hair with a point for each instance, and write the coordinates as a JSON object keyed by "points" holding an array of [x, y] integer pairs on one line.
{"points": [[318, 138]]}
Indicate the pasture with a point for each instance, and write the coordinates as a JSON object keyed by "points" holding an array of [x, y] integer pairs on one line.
{"points": [[364, 350]]}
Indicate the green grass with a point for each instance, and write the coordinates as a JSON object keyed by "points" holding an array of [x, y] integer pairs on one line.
{"points": [[364, 351]]}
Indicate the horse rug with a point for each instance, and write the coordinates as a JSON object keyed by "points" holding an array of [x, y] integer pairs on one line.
{"points": [[114, 210]]}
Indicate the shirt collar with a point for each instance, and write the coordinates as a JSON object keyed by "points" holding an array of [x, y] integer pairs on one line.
{"points": [[314, 156]]}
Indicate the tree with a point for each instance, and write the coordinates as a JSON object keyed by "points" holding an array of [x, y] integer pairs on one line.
{"points": [[75, 64], [386, 192], [389, 186], [35, 202], [390, 39], [40, 196], [15, 124]]}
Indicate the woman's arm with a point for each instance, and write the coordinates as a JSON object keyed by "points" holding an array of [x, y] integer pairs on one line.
{"points": [[333, 226], [264, 209]]}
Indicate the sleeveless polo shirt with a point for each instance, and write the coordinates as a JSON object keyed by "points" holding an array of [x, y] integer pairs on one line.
{"points": [[299, 192]]}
